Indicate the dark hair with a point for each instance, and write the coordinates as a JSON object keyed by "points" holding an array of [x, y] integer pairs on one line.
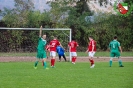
{"points": [[115, 37], [55, 37], [90, 37], [73, 38]]}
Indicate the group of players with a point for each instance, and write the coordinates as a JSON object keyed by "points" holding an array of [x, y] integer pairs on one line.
{"points": [[55, 46]]}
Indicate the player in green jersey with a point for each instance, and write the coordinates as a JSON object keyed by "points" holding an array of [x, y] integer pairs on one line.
{"points": [[115, 50], [41, 53]]}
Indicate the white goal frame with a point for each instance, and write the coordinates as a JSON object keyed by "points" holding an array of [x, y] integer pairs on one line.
{"points": [[61, 29]]}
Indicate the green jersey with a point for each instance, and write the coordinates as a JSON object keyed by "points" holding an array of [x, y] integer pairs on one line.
{"points": [[41, 44], [114, 45]]}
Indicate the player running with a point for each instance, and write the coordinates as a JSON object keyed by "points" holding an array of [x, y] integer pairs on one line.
{"points": [[91, 51], [53, 44], [115, 50], [73, 48], [41, 53]]}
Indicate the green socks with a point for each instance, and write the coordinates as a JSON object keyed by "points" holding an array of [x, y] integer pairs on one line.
{"points": [[120, 62], [110, 63], [45, 64], [36, 63]]}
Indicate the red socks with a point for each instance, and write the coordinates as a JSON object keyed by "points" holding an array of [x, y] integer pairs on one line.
{"points": [[91, 61], [52, 62], [74, 59]]}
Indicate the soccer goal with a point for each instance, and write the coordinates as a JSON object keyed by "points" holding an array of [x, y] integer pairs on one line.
{"points": [[26, 39]]}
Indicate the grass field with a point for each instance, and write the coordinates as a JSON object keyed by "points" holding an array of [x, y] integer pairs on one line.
{"points": [[66, 75], [98, 54]]}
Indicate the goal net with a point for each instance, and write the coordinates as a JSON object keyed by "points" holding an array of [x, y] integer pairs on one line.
{"points": [[24, 40]]}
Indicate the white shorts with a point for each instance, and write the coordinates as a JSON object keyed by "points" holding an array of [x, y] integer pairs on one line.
{"points": [[52, 53], [91, 54], [73, 54]]}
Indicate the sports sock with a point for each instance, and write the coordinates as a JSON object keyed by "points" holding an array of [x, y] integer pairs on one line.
{"points": [[91, 61], [36, 63], [53, 62], [72, 59], [45, 64], [75, 59], [120, 62], [110, 63]]}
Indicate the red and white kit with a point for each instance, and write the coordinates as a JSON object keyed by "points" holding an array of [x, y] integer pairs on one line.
{"points": [[53, 44], [91, 48], [73, 45]]}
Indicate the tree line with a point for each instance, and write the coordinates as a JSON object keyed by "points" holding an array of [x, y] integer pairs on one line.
{"points": [[64, 14]]}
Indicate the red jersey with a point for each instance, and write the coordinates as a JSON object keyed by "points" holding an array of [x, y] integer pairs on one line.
{"points": [[73, 45], [53, 44], [91, 44]]}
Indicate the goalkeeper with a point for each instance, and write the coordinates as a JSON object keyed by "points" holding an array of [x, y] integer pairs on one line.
{"points": [[61, 52]]}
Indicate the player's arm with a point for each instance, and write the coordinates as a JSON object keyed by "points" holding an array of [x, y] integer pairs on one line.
{"points": [[87, 51], [120, 49], [93, 45], [77, 44], [40, 32], [60, 45]]}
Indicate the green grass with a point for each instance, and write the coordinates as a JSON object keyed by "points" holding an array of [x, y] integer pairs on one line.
{"points": [[66, 75], [98, 54]]}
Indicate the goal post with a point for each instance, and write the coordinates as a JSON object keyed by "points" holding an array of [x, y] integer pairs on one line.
{"points": [[46, 29]]}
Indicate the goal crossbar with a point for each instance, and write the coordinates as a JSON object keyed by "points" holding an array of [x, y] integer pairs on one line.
{"points": [[35, 28], [70, 33]]}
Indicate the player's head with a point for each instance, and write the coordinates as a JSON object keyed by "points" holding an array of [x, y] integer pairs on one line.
{"points": [[73, 38], [90, 38], [115, 37], [55, 37], [44, 36]]}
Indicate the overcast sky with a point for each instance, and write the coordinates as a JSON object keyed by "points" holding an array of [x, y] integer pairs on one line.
{"points": [[39, 4]]}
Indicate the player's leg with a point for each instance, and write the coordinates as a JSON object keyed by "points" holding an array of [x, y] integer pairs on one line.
{"points": [[119, 59], [74, 57], [91, 55], [112, 55], [37, 60], [44, 60], [36, 63], [72, 54], [59, 57], [110, 61], [53, 55], [64, 57]]}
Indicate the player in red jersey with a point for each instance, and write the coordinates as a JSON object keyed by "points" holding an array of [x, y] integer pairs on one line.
{"points": [[91, 50], [53, 44], [72, 46]]}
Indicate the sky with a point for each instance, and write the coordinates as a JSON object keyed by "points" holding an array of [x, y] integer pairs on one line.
{"points": [[39, 4], [5, 3]]}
